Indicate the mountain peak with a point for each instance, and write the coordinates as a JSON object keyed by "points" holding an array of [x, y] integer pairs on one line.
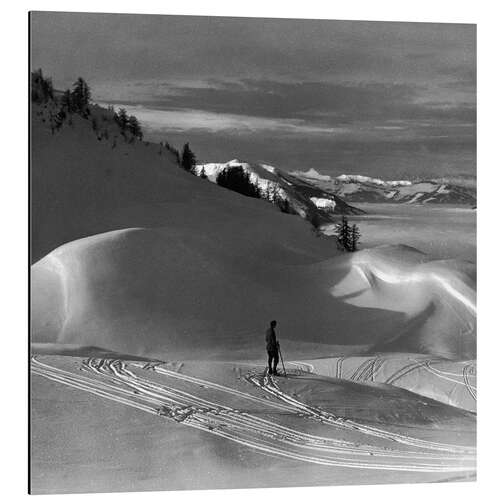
{"points": [[234, 162]]}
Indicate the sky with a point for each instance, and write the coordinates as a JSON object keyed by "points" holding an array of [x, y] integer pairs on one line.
{"points": [[392, 100]]}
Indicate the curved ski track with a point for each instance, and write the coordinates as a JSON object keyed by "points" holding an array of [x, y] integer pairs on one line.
{"points": [[114, 380]]}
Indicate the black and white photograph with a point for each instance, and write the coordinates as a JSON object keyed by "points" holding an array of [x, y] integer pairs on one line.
{"points": [[252, 246]]}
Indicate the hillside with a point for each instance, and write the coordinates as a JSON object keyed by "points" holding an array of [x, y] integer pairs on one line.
{"points": [[85, 182], [275, 185], [359, 188]]}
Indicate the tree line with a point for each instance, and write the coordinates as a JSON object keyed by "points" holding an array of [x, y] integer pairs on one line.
{"points": [[76, 101]]}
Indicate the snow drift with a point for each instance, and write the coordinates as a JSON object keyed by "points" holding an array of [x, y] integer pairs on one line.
{"points": [[438, 298], [210, 294]]}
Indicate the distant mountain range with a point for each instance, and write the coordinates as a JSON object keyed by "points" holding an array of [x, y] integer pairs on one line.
{"points": [[360, 188], [302, 196]]}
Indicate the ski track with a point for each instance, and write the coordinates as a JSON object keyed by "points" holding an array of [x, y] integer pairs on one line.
{"points": [[368, 370], [268, 384], [114, 381], [466, 372]]}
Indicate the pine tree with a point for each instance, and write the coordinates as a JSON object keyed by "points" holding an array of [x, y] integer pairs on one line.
{"points": [[343, 233], [81, 97], [237, 179], [203, 175], [355, 236], [135, 127], [347, 236], [188, 161]]}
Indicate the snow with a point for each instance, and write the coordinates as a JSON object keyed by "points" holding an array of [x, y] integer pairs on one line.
{"points": [[313, 174], [324, 203], [274, 184], [354, 189], [417, 226], [269, 168], [371, 180], [416, 197], [418, 187], [443, 189], [109, 277], [364, 433], [451, 382], [136, 259]]}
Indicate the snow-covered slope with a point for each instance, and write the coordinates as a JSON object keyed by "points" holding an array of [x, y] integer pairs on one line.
{"points": [[437, 297], [451, 382], [138, 256], [86, 182], [303, 198], [360, 188], [208, 292]]}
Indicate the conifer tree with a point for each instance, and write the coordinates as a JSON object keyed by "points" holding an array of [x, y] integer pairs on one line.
{"points": [[135, 127], [355, 236], [343, 233], [203, 174], [81, 97], [188, 160], [347, 236], [237, 179]]}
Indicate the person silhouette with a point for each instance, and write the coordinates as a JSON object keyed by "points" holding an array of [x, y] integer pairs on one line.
{"points": [[272, 347]]}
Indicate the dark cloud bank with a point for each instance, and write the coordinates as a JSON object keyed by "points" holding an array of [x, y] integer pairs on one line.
{"points": [[385, 99]]}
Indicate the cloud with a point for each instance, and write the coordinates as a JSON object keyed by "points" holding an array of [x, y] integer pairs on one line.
{"points": [[358, 96], [112, 47], [321, 104], [187, 120]]}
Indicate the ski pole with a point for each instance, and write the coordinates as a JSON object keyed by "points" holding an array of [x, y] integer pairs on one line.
{"points": [[281, 356]]}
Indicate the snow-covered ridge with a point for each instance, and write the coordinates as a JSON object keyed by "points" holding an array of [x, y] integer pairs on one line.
{"points": [[212, 170], [287, 191], [313, 174], [371, 180], [364, 179], [362, 188]]}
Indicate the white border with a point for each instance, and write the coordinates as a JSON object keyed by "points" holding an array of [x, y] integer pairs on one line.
{"points": [[14, 223]]}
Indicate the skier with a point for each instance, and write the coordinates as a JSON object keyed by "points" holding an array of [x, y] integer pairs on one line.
{"points": [[272, 346]]}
